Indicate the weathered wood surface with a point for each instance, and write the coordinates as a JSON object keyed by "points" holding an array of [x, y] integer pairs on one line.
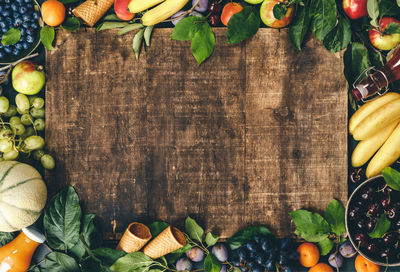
{"points": [[256, 131]]}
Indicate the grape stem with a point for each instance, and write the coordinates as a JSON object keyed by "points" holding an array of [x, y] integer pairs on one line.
{"points": [[183, 14]]}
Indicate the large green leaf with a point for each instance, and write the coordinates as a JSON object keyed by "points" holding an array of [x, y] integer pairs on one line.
{"points": [[186, 28], [60, 262], [325, 246], [324, 14], [334, 215], [389, 8], [157, 227], [299, 26], [244, 235], [203, 43], [392, 178], [193, 229], [243, 25], [211, 239], [310, 226], [211, 264], [62, 220], [12, 36], [356, 60], [132, 262], [339, 37], [381, 227], [108, 256]]}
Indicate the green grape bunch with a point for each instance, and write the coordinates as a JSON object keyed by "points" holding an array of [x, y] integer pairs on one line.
{"points": [[19, 127]]}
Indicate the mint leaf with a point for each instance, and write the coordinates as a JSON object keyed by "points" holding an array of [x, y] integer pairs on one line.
{"points": [[339, 37], [211, 239], [325, 246], [381, 227], [12, 36], [334, 215], [299, 26], [60, 262], [157, 227], [47, 37], [310, 226], [392, 178], [186, 28], [279, 10], [203, 43], [243, 25], [193, 229], [392, 28], [132, 262], [211, 264], [324, 17], [71, 24], [244, 235], [373, 11]]}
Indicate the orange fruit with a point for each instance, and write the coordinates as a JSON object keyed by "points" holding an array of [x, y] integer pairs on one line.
{"points": [[53, 12], [229, 10], [363, 265], [309, 254], [321, 267]]}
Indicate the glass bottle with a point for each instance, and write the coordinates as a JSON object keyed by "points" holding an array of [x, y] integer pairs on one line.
{"points": [[381, 78], [16, 256]]}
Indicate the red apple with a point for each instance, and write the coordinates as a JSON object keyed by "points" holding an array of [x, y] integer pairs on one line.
{"points": [[121, 9], [267, 14], [355, 8], [384, 41]]}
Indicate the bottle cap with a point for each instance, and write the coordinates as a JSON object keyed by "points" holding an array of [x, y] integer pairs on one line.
{"points": [[34, 234], [357, 94]]}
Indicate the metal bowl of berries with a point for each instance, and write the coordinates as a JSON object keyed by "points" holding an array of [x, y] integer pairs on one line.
{"points": [[373, 221], [18, 17]]}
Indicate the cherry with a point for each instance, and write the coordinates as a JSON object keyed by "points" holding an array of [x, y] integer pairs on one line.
{"points": [[386, 253], [390, 238], [370, 225], [215, 7], [392, 212], [214, 19], [372, 247], [361, 239], [355, 176], [354, 213], [374, 209], [361, 224], [385, 201], [367, 194]]}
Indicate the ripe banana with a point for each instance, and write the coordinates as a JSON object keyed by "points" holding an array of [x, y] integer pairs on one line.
{"points": [[370, 107], [136, 6], [377, 120], [367, 148], [386, 155], [162, 11]]}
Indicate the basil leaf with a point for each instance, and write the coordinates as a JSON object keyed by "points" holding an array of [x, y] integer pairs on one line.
{"points": [[334, 215], [381, 227], [356, 60], [373, 11], [325, 246], [392, 28], [243, 25], [129, 28], [392, 178], [186, 28], [108, 256], [339, 37], [132, 262], [12, 36], [111, 25], [71, 24], [211, 239], [47, 37], [157, 227], [193, 229], [62, 220], [310, 226], [244, 235], [6, 237], [299, 26], [203, 43], [60, 262], [279, 11], [324, 14], [211, 264]]}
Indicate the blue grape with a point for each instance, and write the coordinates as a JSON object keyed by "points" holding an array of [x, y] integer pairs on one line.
{"points": [[287, 269], [220, 252], [195, 254], [285, 243], [269, 265], [252, 246], [243, 253], [183, 264]]}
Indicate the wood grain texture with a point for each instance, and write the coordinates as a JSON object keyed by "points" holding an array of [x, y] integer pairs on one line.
{"points": [[256, 131]]}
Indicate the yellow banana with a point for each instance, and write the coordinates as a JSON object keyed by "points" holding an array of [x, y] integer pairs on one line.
{"points": [[367, 148], [136, 6], [377, 120], [162, 11], [386, 155], [369, 108]]}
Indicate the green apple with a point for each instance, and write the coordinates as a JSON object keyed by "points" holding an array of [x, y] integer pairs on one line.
{"points": [[28, 77], [254, 2]]}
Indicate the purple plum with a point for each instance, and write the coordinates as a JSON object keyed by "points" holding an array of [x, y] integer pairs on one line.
{"points": [[183, 264], [347, 250], [195, 254], [335, 260], [220, 252]]}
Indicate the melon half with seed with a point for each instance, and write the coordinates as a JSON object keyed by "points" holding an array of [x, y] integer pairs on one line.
{"points": [[23, 195]]}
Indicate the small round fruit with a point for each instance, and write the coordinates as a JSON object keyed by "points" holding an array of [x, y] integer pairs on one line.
{"points": [[384, 41], [122, 11], [22, 103], [252, 246], [4, 104], [367, 194], [213, 19], [361, 239], [26, 119], [38, 154], [12, 110], [37, 113], [321, 267], [5, 133], [347, 250], [5, 145], [363, 265], [195, 254], [267, 14], [215, 7], [53, 12], [18, 129], [202, 6], [220, 252], [34, 142], [29, 131], [309, 254], [38, 103], [10, 155], [183, 264], [48, 162], [229, 10], [39, 124], [335, 260], [15, 120], [27, 77], [254, 2]]}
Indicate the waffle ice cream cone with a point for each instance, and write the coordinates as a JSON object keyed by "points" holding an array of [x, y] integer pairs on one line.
{"points": [[134, 238], [166, 242], [91, 11]]}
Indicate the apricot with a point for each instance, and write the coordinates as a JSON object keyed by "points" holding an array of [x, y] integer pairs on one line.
{"points": [[309, 254], [321, 267], [363, 265]]}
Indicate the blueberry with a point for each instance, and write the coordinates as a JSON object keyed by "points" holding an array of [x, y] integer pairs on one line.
{"points": [[256, 267], [7, 49], [30, 39], [3, 24], [259, 259], [18, 46], [235, 261], [252, 246], [16, 15], [35, 15], [14, 6], [29, 6], [15, 52], [5, 13], [25, 45], [2, 54], [220, 251], [259, 238], [26, 17], [282, 259], [23, 9], [195, 254]]}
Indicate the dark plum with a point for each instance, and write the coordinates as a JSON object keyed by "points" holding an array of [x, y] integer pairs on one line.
{"points": [[347, 250]]}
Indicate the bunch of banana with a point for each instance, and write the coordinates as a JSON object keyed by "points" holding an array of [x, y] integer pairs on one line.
{"points": [[164, 10], [376, 125]]}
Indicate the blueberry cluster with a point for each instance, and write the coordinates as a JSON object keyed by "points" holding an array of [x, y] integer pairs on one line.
{"points": [[266, 253], [19, 14]]}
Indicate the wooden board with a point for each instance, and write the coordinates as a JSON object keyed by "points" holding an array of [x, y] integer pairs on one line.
{"points": [[256, 131]]}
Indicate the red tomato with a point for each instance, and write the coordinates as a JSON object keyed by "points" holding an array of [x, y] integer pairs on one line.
{"points": [[229, 10]]}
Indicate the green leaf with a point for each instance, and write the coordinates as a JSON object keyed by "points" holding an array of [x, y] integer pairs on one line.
{"points": [[243, 25], [91, 264], [325, 246], [381, 227], [334, 215], [78, 251], [47, 37], [157, 227], [356, 60], [111, 25], [392, 178], [132, 262], [60, 262], [244, 235], [193, 229], [137, 42], [388, 8], [12, 36], [299, 26], [211, 264], [186, 28], [6, 237], [392, 28], [398, 3], [68, 1], [108, 256], [211, 239], [324, 17], [310, 226], [147, 34], [112, 17], [129, 28], [71, 24], [339, 37], [279, 10], [373, 11], [203, 43], [184, 249], [62, 220], [90, 232]]}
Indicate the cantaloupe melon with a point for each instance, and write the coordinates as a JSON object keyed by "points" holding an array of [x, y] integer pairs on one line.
{"points": [[23, 195]]}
